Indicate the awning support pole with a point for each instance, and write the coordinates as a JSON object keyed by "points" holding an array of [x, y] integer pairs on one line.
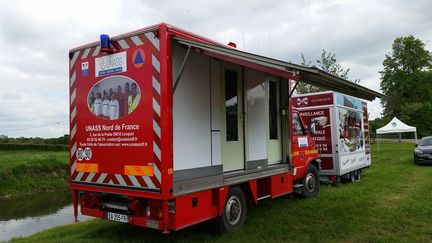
{"points": [[286, 103], [295, 86], [181, 70]]}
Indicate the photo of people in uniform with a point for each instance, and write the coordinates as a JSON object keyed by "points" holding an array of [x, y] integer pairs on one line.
{"points": [[350, 130], [114, 97]]}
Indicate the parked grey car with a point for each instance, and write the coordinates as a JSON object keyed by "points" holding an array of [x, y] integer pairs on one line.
{"points": [[423, 151]]}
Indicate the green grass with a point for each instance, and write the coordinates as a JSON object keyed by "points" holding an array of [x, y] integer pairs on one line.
{"points": [[23, 172], [392, 203]]}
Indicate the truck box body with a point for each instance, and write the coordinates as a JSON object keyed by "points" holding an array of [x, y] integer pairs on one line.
{"points": [[168, 128], [341, 130]]}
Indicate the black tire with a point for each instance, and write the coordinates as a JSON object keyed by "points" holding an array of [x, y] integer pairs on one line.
{"points": [[311, 182], [352, 176], [234, 213], [358, 175]]}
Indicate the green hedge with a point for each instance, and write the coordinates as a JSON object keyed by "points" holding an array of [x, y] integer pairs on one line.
{"points": [[43, 147]]}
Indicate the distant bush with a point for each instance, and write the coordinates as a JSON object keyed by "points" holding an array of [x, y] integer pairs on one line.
{"points": [[29, 146], [35, 140]]}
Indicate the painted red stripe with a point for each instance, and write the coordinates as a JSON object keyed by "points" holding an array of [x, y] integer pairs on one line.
{"points": [[156, 139], [127, 180], [89, 55], [154, 70], [77, 60], [84, 177], [74, 175], [156, 160], [130, 42], [155, 181], [141, 181], [156, 117], [156, 96], [156, 75], [116, 45], [146, 41], [114, 179], [96, 177], [107, 178]]}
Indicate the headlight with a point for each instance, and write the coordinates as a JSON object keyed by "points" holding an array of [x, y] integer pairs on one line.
{"points": [[418, 151]]}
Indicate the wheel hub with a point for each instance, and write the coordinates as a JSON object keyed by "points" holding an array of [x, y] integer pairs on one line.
{"points": [[310, 182], [233, 210]]}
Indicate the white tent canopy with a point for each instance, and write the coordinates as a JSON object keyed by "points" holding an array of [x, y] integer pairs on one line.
{"points": [[396, 126]]}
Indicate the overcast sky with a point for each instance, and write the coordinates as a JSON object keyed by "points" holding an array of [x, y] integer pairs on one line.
{"points": [[35, 37]]}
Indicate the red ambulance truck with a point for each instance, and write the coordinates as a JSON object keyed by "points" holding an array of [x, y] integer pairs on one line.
{"points": [[341, 132], [169, 129]]}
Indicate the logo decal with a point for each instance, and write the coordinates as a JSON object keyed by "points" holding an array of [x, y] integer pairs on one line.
{"points": [[110, 64], [84, 69], [138, 58], [303, 101]]}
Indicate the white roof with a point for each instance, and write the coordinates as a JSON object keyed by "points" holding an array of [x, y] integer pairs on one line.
{"points": [[395, 126]]}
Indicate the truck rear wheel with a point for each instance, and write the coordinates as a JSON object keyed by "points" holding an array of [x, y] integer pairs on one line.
{"points": [[234, 214], [352, 176], [311, 182], [358, 175]]}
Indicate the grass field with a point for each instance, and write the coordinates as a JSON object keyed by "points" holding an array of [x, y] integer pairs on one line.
{"points": [[24, 172], [392, 203]]}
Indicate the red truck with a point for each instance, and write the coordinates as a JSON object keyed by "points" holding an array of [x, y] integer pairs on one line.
{"points": [[169, 129]]}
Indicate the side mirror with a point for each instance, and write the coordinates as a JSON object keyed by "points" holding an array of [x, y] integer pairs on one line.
{"points": [[311, 128], [416, 145]]}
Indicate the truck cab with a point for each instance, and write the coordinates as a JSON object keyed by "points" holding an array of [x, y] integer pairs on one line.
{"points": [[304, 155]]}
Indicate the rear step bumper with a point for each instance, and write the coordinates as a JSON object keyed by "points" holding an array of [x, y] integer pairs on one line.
{"points": [[142, 221]]}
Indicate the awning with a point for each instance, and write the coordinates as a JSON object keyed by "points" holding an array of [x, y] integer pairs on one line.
{"points": [[313, 76]]}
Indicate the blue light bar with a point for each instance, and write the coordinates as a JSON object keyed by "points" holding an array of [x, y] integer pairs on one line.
{"points": [[105, 42]]}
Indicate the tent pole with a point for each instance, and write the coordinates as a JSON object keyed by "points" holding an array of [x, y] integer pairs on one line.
{"points": [[415, 136], [377, 141]]}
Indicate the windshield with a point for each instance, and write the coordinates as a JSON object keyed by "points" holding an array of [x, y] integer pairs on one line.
{"points": [[426, 142]]}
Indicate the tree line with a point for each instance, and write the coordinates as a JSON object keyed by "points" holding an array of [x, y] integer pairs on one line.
{"points": [[63, 140]]}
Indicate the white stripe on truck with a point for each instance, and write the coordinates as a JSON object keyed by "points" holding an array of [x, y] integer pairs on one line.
{"points": [[152, 38], [73, 77], [136, 40], [74, 58], [155, 63], [86, 52]]}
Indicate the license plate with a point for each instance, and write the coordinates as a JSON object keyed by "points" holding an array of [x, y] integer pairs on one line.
{"points": [[117, 217]]}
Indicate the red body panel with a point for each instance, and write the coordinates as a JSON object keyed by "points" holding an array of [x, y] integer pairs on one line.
{"points": [[191, 209], [281, 184]]}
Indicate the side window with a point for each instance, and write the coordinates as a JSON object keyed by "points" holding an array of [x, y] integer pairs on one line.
{"points": [[231, 106], [296, 125], [273, 110]]}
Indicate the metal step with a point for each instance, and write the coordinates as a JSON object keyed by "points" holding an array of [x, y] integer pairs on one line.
{"points": [[264, 197], [298, 185], [117, 204]]}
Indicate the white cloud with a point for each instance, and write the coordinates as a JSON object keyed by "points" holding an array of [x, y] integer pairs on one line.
{"points": [[35, 37]]}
